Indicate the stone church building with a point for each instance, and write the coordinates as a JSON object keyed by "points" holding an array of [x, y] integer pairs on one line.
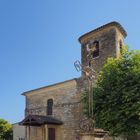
{"points": [[55, 112]]}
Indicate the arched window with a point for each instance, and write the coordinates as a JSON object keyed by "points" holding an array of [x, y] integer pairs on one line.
{"points": [[95, 47], [49, 106], [120, 45], [92, 49]]}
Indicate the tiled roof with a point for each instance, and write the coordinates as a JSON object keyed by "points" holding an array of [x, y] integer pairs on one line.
{"points": [[37, 120]]}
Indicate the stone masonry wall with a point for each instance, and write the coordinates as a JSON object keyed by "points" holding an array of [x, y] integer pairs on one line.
{"points": [[107, 47], [67, 107], [66, 95]]}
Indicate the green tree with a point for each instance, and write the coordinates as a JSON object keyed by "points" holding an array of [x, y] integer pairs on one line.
{"points": [[5, 130], [116, 95]]}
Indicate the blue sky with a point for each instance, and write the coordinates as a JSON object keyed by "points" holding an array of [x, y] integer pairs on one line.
{"points": [[38, 42]]}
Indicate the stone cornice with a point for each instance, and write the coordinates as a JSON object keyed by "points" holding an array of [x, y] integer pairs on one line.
{"points": [[111, 24]]}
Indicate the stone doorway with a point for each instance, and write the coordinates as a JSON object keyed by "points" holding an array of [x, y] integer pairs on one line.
{"points": [[42, 127], [51, 133]]}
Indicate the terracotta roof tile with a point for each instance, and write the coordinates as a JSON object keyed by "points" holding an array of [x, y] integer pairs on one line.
{"points": [[37, 120]]}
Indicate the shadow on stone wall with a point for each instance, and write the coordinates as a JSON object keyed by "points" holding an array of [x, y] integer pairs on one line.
{"points": [[137, 137]]}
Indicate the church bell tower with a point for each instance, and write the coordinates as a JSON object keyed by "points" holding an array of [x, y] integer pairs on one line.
{"points": [[101, 43]]}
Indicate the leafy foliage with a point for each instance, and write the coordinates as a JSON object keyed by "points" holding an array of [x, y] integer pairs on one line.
{"points": [[117, 95], [5, 129]]}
